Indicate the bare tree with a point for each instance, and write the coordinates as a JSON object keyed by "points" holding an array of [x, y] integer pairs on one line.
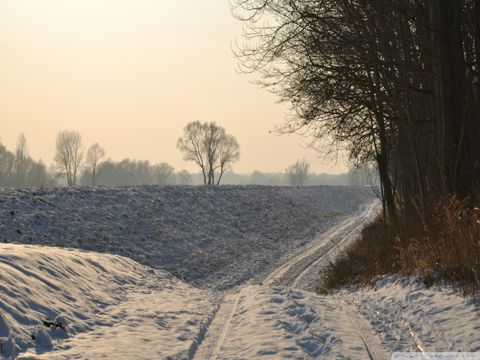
{"points": [[395, 82], [21, 160], [162, 173], [210, 147], [228, 153], [297, 174], [95, 155], [69, 154], [184, 177], [193, 147]]}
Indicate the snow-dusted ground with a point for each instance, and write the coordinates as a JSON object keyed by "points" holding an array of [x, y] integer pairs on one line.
{"points": [[111, 306], [213, 237], [279, 323], [410, 317], [115, 307]]}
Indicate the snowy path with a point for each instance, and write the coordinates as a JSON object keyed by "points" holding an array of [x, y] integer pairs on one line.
{"points": [[321, 251], [218, 329], [286, 337], [279, 318]]}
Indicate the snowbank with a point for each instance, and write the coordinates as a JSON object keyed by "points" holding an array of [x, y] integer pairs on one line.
{"points": [[215, 237], [409, 317], [76, 303]]}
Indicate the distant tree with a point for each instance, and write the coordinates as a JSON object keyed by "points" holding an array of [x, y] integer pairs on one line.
{"points": [[69, 154], [21, 161], [228, 153], [95, 155], [192, 144], [53, 175], [297, 174], [38, 175], [162, 173], [184, 177], [7, 161], [210, 147]]}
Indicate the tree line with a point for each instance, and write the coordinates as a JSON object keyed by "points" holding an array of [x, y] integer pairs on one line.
{"points": [[18, 169], [394, 82], [74, 166]]}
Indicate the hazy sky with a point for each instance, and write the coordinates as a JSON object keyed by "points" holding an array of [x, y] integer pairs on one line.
{"points": [[130, 74]]}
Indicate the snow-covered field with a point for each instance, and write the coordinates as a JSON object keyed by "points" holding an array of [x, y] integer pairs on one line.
{"points": [[212, 237], [255, 251]]}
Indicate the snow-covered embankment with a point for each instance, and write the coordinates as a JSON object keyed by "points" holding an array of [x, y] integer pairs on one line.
{"points": [[88, 305]]}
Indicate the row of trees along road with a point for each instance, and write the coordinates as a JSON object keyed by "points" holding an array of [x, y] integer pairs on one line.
{"points": [[396, 82], [209, 147]]}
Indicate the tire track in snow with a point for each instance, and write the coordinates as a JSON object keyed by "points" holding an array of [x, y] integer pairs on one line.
{"points": [[323, 250], [217, 332], [291, 274], [362, 327], [294, 270]]}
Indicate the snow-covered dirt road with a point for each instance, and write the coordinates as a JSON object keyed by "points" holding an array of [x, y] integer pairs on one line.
{"points": [[281, 319], [273, 321]]}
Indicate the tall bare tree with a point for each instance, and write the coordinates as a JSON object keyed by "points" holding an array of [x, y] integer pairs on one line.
{"points": [[396, 82], [69, 154], [192, 144], [228, 153], [210, 147]]}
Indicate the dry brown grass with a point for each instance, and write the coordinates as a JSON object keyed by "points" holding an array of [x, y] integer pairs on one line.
{"points": [[441, 245]]}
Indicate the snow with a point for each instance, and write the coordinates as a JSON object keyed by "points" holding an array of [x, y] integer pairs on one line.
{"points": [[106, 304], [212, 237], [276, 323], [441, 319], [395, 315], [225, 300]]}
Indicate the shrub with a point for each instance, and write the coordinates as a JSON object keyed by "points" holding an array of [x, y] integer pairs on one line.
{"points": [[441, 243]]}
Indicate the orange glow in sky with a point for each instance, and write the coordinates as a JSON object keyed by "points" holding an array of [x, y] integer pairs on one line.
{"points": [[130, 74]]}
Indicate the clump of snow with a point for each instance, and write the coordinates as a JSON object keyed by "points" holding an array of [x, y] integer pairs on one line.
{"points": [[42, 339], [70, 303], [215, 237]]}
